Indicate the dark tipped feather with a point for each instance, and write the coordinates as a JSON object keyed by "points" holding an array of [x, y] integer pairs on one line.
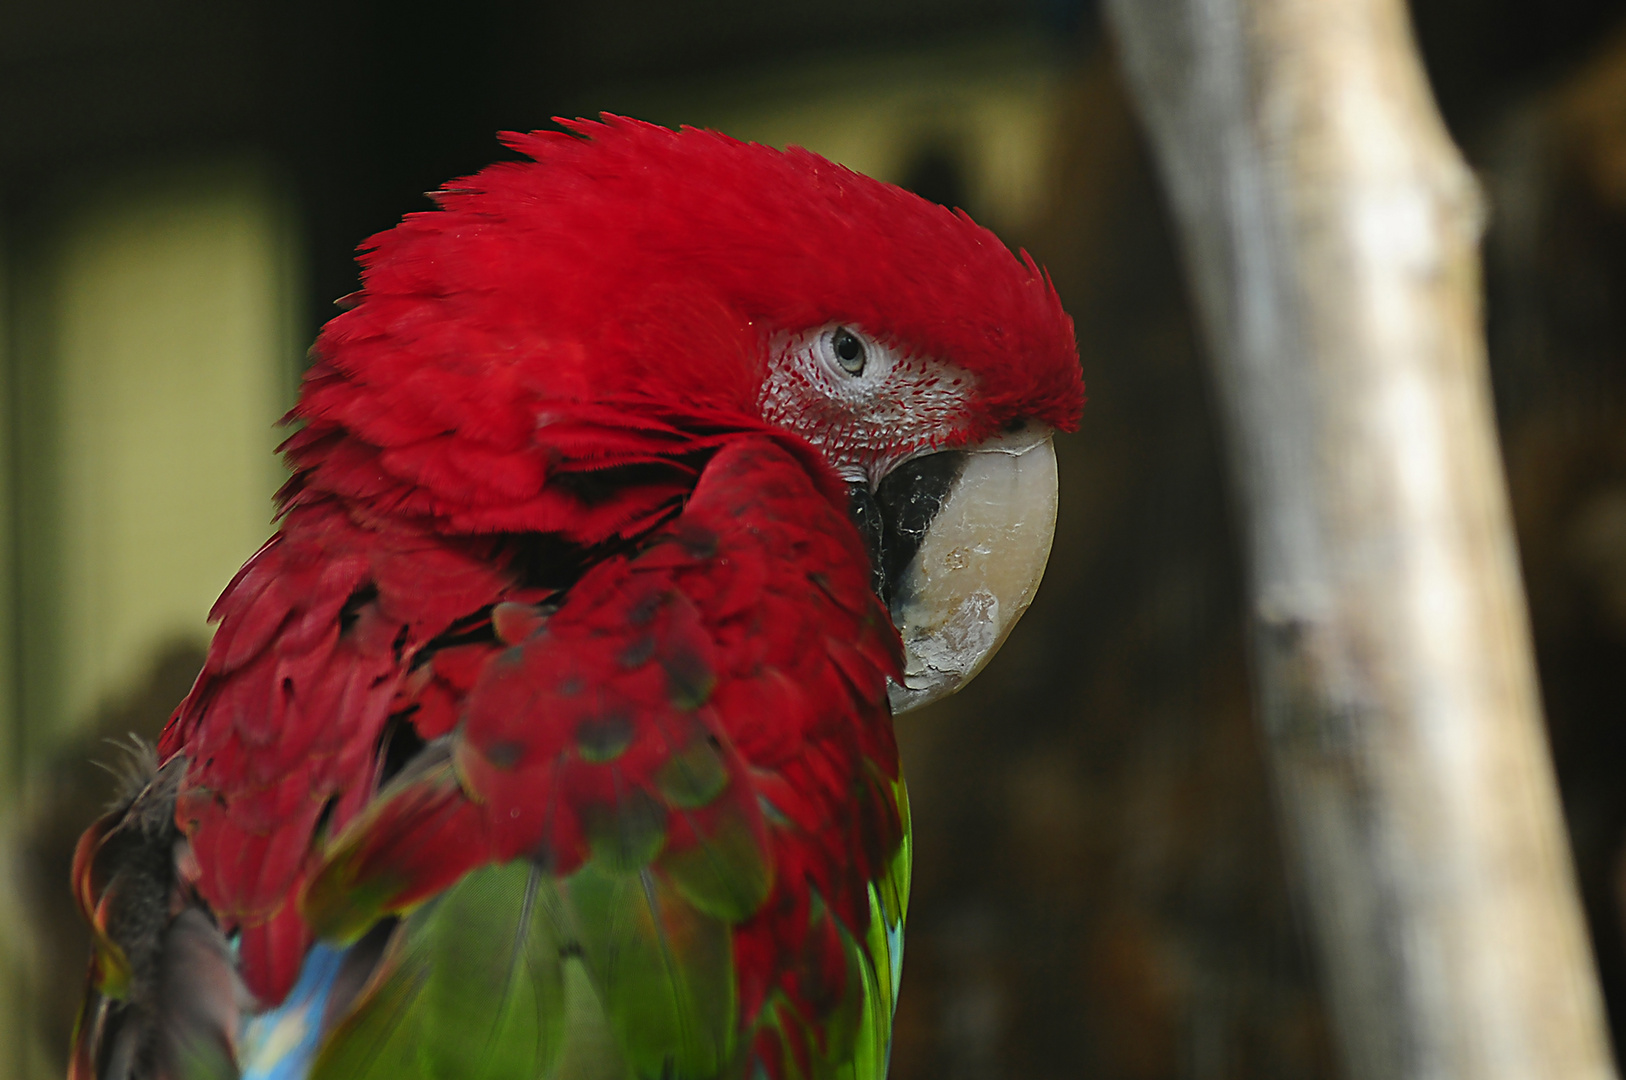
{"points": [[163, 1000]]}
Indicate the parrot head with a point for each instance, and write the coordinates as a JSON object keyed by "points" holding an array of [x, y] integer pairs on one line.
{"points": [[685, 281]]}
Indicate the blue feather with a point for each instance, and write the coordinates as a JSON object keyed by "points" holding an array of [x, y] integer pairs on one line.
{"points": [[281, 1044]]}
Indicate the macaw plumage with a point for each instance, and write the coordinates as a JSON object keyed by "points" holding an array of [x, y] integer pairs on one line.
{"points": [[551, 734]]}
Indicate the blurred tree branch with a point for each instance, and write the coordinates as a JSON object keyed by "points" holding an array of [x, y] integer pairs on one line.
{"points": [[1331, 231]]}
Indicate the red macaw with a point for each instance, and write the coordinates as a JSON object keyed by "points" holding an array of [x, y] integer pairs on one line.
{"points": [[638, 488]]}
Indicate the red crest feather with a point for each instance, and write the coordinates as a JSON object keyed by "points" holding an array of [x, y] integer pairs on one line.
{"points": [[632, 268]]}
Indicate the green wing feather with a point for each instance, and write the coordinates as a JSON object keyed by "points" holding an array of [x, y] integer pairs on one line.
{"points": [[617, 972], [856, 1042], [470, 987], [882, 955], [662, 971], [609, 973]]}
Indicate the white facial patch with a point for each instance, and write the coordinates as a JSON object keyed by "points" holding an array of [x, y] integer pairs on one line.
{"points": [[893, 407]]}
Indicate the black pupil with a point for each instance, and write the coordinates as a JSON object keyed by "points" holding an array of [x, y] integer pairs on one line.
{"points": [[848, 347]]}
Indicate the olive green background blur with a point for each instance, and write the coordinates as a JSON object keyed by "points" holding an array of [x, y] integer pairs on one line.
{"points": [[1099, 890]]}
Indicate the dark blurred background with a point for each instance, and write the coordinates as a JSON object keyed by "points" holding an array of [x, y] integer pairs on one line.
{"points": [[1099, 887]]}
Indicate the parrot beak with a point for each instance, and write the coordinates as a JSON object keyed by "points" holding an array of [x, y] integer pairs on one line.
{"points": [[963, 536]]}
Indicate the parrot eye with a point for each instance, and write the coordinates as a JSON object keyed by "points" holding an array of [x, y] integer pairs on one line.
{"points": [[849, 350]]}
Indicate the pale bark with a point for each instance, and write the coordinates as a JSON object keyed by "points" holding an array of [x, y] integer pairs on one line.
{"points": [[1330, 230]]}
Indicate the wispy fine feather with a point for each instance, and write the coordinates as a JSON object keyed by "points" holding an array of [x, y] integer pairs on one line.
{"points": [[132, 770]]}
